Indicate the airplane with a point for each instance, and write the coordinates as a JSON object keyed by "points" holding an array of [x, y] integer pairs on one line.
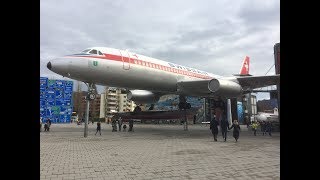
{"points": [[147, 78]]}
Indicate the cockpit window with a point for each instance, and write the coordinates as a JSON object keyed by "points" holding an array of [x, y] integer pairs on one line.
{"points": [[100, 53], [93, 51], [86, 51]]}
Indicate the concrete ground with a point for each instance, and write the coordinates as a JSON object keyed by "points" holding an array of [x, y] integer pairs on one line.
{"points": [[156, 152]]}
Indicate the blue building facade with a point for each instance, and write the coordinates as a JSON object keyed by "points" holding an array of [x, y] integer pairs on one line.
{"points": [[56, 100]]}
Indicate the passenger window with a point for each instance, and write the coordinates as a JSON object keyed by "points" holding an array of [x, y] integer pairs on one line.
{"points": [[93, 51], [100, 53]]}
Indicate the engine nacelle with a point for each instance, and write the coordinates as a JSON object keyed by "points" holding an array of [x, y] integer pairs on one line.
{"points": [[142, 96], [225, 88]]}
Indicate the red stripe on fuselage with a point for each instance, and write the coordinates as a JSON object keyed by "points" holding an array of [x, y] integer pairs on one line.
{"points": [[147, 64]]}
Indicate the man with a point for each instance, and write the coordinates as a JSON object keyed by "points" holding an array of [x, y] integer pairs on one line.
{"points": [[120, 123], [269, 128], [224, 127], [214, 128], [130, 125], [114, 125]]}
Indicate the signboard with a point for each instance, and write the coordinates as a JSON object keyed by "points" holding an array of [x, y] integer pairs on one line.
{"points": [[59, 83], [42, 110], [68, 86], [55, 100], [43, 83], [50, 102], [42, 94], [67, 95], [60, 102], [51, 84], [49, 111], [42, 102], [50, 94], [68, 102]]}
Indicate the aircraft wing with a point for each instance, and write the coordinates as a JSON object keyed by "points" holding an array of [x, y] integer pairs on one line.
{"points": [[253, 82], [229, 87]]}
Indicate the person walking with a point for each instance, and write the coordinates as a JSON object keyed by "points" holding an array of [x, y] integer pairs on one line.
{"points": [[236, 130], [114, 124], [269, 128], [120, 123], [254, 127], [224, 124], [263, 127], [130, 125], [98, 127], [214, 128]]}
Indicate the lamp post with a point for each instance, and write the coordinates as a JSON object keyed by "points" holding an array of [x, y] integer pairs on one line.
{"points": [[90, 96]]}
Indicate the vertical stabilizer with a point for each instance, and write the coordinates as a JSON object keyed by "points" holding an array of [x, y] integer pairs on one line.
{"points": [[245, 66]]}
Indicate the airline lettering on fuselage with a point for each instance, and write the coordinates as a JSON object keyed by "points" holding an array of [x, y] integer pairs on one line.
{"points": [[186, 68]]}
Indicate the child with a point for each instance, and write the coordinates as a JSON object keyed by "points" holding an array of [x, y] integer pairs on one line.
{"points": [[46, 127], [98, 128], [124, 127]]}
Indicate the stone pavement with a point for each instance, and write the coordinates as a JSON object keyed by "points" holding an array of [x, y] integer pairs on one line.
{"points": [[156, 152]]}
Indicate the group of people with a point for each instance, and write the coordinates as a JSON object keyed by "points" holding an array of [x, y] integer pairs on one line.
{"points": [[224, 124], [121, 125], [46, 125], [266, 127]]}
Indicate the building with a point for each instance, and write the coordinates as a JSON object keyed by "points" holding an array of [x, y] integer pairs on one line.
{"points": [[80, 105], [267, 105], [115, 100], [249, 102]]}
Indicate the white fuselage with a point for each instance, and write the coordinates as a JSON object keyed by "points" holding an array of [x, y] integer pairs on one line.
{"points": [[120, 68]]}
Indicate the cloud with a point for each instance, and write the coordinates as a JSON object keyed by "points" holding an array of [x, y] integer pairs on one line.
{"points": [[213, 36]]}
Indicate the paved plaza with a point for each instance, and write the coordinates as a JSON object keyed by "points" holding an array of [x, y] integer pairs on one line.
{"points": [[156, 151]]}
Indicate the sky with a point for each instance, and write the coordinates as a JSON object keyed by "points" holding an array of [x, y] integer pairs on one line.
{"points": [[208, 35]]}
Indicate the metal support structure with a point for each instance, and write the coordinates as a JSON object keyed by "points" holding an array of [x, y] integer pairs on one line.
{"points": [[249, 108], [229, 114], [185, 120], [183, 105], [210, 109], [86, 119], [90, 96], [278, 89], [204, 110]]}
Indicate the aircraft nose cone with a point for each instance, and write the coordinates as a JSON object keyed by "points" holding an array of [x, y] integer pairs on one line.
{"points": [[49, 65], [59, 66]]}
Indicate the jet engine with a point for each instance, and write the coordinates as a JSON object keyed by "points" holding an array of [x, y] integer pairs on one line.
{"points": [[142, 96], [224, 88]]}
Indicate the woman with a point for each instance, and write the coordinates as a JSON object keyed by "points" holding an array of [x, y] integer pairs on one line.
{"points": [[236, 130]]}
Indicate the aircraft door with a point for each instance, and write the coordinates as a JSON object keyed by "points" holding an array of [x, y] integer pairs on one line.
{"points": [[125, 60]]}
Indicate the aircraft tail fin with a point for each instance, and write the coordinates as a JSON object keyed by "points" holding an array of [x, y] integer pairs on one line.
{"points": [[245, 66], [244, 71]]}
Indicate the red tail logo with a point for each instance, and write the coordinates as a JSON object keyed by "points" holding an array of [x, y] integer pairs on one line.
{"points": [[245, 66]]}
